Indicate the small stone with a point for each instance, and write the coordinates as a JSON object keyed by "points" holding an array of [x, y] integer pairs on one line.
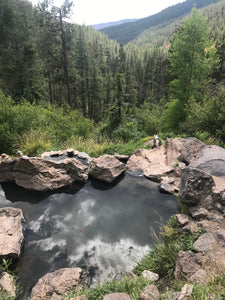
{"points": [[70, 152], [182, 219], [198, 212], [205, 242], [200, 277], [221, 237], [215, 217], [151, 276], [7, 284], [117, 296], [151, 292], [185, 292], [82, 297]]}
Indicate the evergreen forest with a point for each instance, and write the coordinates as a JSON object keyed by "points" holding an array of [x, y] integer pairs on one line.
{"points": [[64, 85]]}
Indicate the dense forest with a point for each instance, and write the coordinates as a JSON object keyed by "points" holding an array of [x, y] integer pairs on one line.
{"points": [[65, 85]]}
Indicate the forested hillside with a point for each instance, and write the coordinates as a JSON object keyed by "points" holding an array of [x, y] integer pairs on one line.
{"points": [[124, 33], [63, 84]]}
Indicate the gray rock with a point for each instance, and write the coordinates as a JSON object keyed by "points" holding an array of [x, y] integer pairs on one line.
{"points": [[198, 212], [168, 188], [215, 217], [195, 187], [211, 159], [117, 296], [106, 168], [221, 237], [184, 294], [187, 264], [151, 292], [11, 232], [219, 195], [182, 219], [205, 242], [151, 276], [42, 175], [56, 285], [7, 284], [200, 277]]}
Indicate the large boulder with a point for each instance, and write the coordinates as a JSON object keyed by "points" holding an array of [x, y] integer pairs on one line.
{"points": [[156, 162], [38, 174], [196, 187], [210, 159], [106, 168], [11, 232], [57, 285]]}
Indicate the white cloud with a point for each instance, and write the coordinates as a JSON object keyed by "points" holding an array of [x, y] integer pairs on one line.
{"points": [[101, 11]]}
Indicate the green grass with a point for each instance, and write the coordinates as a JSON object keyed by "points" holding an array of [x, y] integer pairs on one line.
{"points": [[162, 259], [133, 287]]}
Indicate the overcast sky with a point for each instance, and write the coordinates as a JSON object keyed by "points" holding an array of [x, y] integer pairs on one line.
{"points": [[90, 12]]}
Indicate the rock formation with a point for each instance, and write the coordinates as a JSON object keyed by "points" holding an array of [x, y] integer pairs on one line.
{"points": [[56, 285], [11, 232], [106, 168], [42, 175]]}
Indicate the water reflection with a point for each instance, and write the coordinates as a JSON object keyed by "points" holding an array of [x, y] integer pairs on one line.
{"points": [[105, 227]]}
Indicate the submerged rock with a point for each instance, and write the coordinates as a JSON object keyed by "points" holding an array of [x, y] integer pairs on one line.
{"points": [[42, 175], [56, 285], [11, 232], [106, 168]]}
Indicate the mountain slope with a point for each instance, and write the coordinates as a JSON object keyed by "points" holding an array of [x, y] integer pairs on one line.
{"points": [[104, 25], [128, 31]]}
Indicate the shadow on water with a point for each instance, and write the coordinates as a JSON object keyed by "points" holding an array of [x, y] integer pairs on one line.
{"points": [[103, 227]]}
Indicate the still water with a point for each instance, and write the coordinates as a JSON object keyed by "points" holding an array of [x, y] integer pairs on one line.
{"points": [[104, 227]]}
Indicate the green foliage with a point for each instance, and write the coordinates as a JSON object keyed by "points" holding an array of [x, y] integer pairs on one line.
{"points": [[132, 287], [193, 57]]}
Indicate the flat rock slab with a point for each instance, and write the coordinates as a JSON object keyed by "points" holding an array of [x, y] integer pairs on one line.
{"points": [[117, 296], [11, 232], [106, 168], [154, 163], [56, 285], [37, 174], [205, 242]]}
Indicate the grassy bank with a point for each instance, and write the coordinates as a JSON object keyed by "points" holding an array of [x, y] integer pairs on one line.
{"points": [[161, 260]]}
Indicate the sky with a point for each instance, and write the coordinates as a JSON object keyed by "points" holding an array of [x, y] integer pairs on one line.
{"points": [[89, 12]]}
